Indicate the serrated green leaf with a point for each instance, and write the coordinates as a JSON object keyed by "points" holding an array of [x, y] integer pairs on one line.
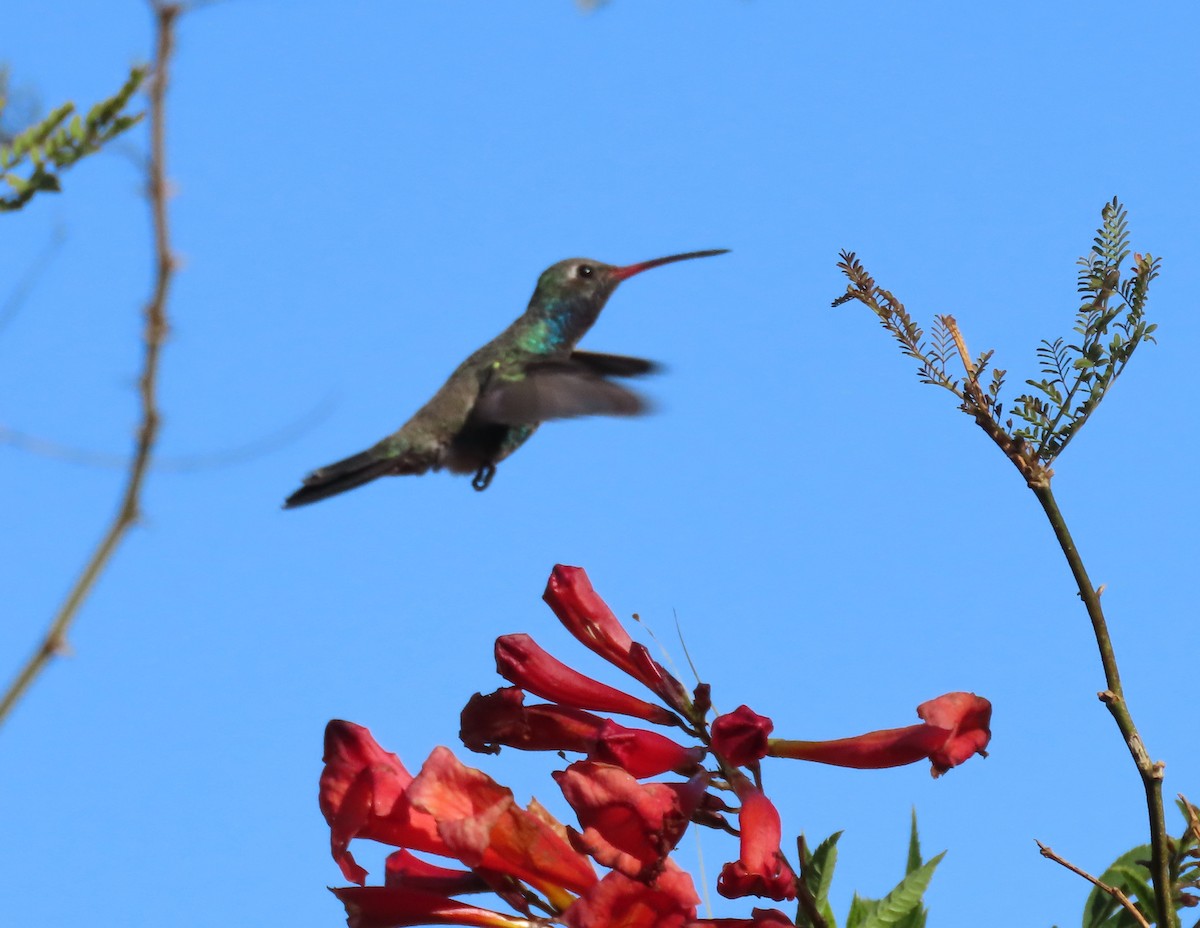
{"points": [[821, 867], [1126, 874], [914, 847], [914, 919], [861, 910], [893, 908], [817, 868]]}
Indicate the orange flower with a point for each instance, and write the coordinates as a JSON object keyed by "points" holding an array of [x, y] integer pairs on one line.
{"points": [[447, 809]]}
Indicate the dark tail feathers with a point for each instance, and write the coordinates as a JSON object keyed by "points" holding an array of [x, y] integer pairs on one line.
{"points": [[340, 477]]}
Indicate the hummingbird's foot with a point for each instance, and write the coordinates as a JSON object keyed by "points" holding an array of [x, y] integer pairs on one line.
{"points": [[483, 476]]}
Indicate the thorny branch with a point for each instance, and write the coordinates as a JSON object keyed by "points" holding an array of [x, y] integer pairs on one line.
{"points": [[155, 331]]}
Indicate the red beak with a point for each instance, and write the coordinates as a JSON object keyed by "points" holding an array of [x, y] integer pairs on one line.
{"points": [[623, 273]]}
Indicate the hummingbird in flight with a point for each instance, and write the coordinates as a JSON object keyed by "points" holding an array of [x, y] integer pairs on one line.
{"points": [[530, 373]]}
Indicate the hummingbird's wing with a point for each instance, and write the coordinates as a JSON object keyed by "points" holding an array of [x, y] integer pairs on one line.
{"points": [[614, 365], [559, 390]]}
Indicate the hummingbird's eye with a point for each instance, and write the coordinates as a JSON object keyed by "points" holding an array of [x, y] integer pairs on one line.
{"points": [[584, 270]]}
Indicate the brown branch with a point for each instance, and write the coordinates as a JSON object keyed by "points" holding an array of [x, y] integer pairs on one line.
{"points": [[975, 403], [1111, 890], [155, 330], [960, 345]]}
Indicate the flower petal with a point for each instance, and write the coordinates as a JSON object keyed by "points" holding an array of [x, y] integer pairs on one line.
{"points": [[502, 718], [404, 870], [627, 825], [760, 918], [761, 869], [393, 907], [482, 826], [520, 660], [740, 736], [620, 902], [955, 728], [362, 795], [968, 718], [643, 753], [585, 615]]}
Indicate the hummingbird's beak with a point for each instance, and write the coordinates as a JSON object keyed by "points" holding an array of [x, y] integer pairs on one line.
{"points": [[623, 273]]}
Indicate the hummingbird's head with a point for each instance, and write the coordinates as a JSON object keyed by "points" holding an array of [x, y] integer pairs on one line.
{"points": [[581, 285], [577, 280]]}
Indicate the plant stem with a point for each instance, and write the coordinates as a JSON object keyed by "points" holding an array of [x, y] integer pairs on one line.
{"points": [[1114, 697]]}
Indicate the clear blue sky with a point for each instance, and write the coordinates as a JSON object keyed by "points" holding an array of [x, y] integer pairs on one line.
{"points": [[366, 192]]}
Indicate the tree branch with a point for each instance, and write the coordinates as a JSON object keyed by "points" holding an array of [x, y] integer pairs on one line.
{"points": [[1111, 890], [154, 334], [1114, 697]]}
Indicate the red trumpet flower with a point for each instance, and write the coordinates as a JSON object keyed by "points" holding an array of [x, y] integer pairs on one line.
{"points": [[956, 728]]}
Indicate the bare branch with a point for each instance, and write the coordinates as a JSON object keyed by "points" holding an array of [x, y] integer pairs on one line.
{"points": [[1111, 890], [155, 331]]}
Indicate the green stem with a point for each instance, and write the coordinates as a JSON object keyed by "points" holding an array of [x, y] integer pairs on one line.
{"points": [[1065, 406], [1114, 697]]}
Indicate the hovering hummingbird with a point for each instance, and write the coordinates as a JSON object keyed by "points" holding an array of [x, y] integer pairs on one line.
{"points": [[496, 398]]}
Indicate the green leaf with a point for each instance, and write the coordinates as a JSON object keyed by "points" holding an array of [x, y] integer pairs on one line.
{"points": [[914, 847], [53, 144], [1128, 874], [818, 873], [894, 908], [861, 910], [817, 870]]}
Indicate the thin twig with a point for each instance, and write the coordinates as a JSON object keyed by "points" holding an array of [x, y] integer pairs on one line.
{"points": [[20, 293], [172, 464], [960, 345], [155, 331], [1111, 890]]}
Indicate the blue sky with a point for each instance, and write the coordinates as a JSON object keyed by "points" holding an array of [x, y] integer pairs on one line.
{"points": [[366, 193]]}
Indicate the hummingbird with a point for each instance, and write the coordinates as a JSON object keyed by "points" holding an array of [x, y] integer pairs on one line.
{"points": [[530, 373]]}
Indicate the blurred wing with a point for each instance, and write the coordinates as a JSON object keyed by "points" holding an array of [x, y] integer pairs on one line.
{"points": [[556, 390], [614, 365]]}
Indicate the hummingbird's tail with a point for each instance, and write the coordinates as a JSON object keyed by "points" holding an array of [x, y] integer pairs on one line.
{"points": [[342, 476]]}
